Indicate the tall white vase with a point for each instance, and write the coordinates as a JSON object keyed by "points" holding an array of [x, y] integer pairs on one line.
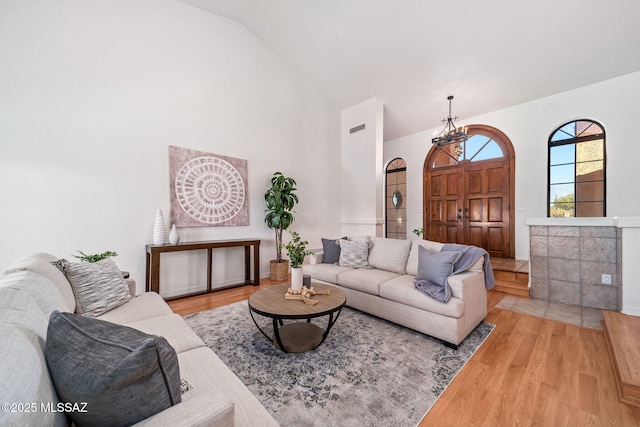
{"points": [[159, 230], [296, 278]]}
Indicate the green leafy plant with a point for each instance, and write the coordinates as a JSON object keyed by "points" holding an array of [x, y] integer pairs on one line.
{"points": [[419, 231], [95, 257], [296, 249], [280, 199]]}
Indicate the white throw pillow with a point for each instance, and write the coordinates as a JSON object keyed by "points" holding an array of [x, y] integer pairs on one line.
{"points": [[389, 254], [354, 254]]}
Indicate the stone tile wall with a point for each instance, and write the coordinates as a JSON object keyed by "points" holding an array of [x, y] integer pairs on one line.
{"points": [[567, 263]]}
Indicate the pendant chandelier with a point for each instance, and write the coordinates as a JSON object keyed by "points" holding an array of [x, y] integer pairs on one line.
{"points": [[450, 134]]}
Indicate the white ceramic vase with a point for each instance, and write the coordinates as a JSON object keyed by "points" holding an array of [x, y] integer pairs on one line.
{"points": [[296, 278], [159, 230], [174, 236]]}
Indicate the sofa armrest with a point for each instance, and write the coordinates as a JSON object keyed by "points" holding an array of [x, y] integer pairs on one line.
{"points": [[463, 283], [132, 286], [316, 257], [200, 410]]}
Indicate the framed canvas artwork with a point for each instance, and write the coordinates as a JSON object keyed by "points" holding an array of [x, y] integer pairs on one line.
{"points": [[207, 189]]}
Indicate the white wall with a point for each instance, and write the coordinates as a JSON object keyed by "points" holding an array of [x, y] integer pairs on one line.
{"points": [[93, 93], [362, 167], [613, 103]]}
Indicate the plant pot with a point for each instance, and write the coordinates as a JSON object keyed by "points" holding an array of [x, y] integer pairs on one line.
{"points": [[279, 271], [296, 278]]}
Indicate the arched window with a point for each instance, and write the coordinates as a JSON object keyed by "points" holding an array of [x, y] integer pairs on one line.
{"points": [[396, 199], [478, 147], [577, 170]]}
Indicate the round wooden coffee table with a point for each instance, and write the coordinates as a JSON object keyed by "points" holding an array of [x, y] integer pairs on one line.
{"points": [[296, 337]]}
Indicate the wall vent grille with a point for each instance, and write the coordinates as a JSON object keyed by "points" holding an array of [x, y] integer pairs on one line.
{"points": [[356, 129]]}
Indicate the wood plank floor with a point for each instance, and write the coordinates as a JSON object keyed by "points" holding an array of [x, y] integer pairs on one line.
{"points": [[529, 372]]}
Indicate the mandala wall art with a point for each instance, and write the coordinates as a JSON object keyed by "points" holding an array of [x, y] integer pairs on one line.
{"points": [[207, 189]]}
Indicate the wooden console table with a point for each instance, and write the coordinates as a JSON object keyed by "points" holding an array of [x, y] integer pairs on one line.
{"points": [[154, 252]]}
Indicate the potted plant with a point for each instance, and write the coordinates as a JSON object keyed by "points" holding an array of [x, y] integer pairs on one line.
{"points": [[296, 251], [280, 199], [419, 232], [95, 257], [99, 257]]}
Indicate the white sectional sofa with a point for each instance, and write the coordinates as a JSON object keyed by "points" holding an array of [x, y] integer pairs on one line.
{"points": [[386, 289], [33, 288]]}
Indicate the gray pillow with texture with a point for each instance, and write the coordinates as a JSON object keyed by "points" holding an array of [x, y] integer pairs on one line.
{"points": [[436, 267], [98, 286], [354, 254], [331, 251], [123, 374]]}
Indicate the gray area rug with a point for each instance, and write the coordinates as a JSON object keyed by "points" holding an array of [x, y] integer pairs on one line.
{"points": [[368, 372]]}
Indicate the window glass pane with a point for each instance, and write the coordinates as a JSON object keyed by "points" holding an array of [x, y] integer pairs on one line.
{"points": [[561, 193], [565, 132], [589, 191], [586, 128], [491, 151], [561, 201], [562, 174], [474, 144], [562, 154], [590, 150], [562, 210], [590, 171], [443, 159], [589, 209]]}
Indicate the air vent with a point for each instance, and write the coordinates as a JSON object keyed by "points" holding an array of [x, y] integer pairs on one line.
{"points": [[356, 129]]}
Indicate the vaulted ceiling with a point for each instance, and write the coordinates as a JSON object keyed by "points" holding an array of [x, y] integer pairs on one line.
{"points": [[489, 54]]}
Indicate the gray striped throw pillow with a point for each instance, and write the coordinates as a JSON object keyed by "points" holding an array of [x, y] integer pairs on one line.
{"points": [[98, 286]]}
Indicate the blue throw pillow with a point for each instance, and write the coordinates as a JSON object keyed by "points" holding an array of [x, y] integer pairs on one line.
{"points": [[436, 267]]}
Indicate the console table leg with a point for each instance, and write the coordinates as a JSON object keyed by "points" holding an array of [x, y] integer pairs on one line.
{"points": [[155, 274], [256, 265], [209, 268], [247, 264]]}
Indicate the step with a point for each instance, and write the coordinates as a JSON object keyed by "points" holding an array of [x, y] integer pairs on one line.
{"points": [[516, 289], [512, 282], [622, 334]]}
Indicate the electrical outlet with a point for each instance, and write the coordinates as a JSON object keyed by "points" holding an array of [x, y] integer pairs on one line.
{"points": [[606, 279]]}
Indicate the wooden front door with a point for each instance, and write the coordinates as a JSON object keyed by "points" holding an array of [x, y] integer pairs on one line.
{"points": [[468, 199]]}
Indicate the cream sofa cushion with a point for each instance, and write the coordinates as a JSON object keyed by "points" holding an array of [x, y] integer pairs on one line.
{"points": [[203, 369], [40, 263], [389, 254], [325, 272], [143, 306], [24, 375], [365, 280], [173, 328], [403, 290], [43, 291]]}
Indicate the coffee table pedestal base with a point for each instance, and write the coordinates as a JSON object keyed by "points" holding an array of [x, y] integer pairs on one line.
{"points": [[298, 337]]}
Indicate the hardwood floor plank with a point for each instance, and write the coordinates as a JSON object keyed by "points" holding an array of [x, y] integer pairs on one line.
{"points": [[529, 372]]}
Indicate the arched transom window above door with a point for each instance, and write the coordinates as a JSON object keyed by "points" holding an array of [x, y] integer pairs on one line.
{"points": [[480, 146]]}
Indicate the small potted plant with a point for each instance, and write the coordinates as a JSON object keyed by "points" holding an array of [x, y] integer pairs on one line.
{"points": [[280, 199], [296, 251], [419, 232], [99, 257], [94, 257]]}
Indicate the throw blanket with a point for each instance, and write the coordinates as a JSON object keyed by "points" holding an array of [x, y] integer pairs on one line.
{"points": [[469, 256]]}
